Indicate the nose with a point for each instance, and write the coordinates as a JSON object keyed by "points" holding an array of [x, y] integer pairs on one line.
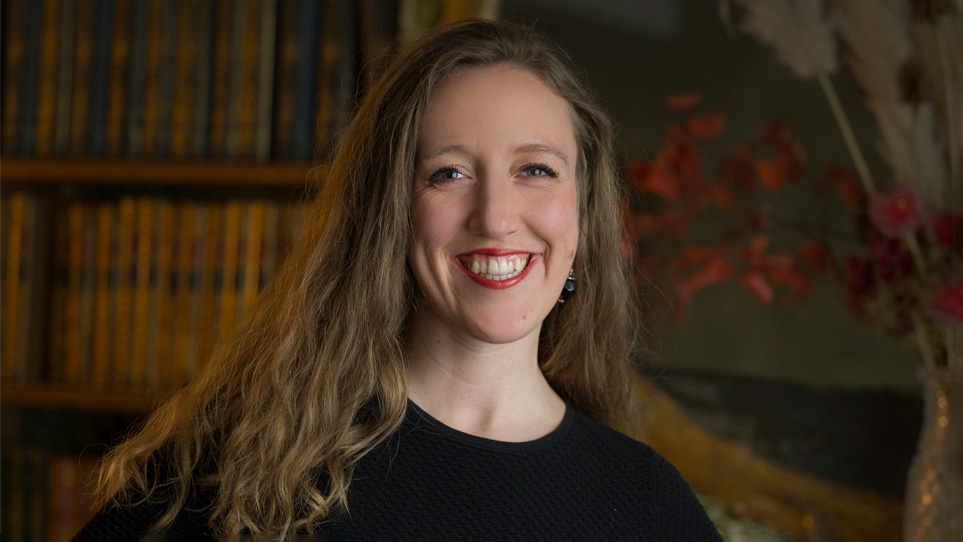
{"points": [[495, 208]]}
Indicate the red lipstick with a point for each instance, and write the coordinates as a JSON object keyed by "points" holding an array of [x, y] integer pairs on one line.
{"points": [[497, 284]]}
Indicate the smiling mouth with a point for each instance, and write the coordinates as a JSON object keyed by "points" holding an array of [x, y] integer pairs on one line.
{"points": [[495, 268]]}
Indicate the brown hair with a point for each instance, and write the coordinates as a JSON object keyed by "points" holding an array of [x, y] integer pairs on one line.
{"points": [[314, 379]]}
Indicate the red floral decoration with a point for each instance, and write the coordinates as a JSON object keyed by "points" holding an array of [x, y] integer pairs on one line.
{"points": [[885, 282]]}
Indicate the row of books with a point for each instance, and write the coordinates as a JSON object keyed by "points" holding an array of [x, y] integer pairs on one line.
{"points": [[137, 289], [172, 79], [46, 497]]}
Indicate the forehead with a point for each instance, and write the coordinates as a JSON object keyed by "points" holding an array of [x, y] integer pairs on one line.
{"points": [[494, 106]]}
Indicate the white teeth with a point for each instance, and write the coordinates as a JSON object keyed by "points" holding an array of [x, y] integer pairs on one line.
{"points": [[501, 268]]}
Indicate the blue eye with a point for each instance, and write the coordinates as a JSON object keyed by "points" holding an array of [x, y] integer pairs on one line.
{"points": [[539, 170], [448, 173]]}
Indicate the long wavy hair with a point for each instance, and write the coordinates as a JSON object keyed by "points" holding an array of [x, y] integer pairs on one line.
{"points": [[275, 422]]}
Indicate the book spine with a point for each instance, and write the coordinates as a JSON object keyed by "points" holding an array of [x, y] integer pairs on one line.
{"points": [[305, 80], [269, 256], [73, 357], [118, 79], [137, 78], [221, 83], [142, 280], [37, 495], [33, 288], [57, 329], [210, 284], [200, 135], [65, 54], [103, 315], [253, 254], [378, 22], [11, 298], [284, 97], [232, 241], [60, 501], [183, 288], [30, 79], [88, 278], [47, 91], [182, 121], [152, 77], [16, 506], [265, 88], [337, 74], [165, 79], [159, 335], [13, 70], [126, 219], [236, 87], [83, 58], [96, 130]]}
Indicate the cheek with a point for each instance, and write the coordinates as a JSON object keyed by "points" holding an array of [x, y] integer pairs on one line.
{"points": [[559, 216]]}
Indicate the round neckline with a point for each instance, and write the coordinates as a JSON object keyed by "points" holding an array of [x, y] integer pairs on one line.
{"points": [[417, 414]]}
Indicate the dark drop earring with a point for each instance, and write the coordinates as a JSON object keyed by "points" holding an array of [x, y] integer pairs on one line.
{"points": [[568, 291]]}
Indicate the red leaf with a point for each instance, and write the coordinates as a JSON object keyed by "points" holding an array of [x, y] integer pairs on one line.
{"points": [[713, 272], [757, 284], [771, 173], [816, 255], [707, 127], [682, 102], [661, 181], [846, 183]]}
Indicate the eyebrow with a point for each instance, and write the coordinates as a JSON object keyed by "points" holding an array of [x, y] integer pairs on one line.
{"points": [[523, 149]]}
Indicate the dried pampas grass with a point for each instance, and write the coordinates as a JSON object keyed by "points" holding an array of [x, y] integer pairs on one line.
{"points": [[797, 30]]}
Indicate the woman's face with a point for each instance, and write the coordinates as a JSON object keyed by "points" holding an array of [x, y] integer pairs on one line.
{"points": [[494, 208]]}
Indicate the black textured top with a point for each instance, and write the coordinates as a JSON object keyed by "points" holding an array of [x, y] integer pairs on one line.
{"points": [[583, 481]]}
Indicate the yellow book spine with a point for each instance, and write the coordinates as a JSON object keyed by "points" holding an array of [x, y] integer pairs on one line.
{"points": [[126, 216], [269, 255], [184, 80], [47, 87], [117, 85], [103, 331], [253, 245], [213, 255], [83, 53]]}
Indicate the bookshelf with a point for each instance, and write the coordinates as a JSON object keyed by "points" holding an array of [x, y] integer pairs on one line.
{"points": [[88, 171], [154, 160]]}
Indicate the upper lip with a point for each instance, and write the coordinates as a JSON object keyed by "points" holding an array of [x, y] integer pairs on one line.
{"points": [[495, 251]]}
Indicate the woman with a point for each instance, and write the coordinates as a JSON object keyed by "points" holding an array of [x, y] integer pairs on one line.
{"points": [[412, 373]]}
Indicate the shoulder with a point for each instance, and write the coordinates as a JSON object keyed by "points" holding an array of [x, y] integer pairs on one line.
{"points": [[643, 478]]}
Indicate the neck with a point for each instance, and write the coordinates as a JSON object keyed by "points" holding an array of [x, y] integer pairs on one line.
{"points": [[494, 391]]}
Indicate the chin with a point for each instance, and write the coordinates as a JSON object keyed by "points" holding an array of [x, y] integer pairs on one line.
{"points": [[504, 332]]}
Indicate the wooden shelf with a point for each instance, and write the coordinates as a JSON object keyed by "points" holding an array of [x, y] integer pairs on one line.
{"points": [[57, 397], [126, 172]]}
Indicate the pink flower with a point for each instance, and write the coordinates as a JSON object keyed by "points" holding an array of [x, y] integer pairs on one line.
{"points": [[947, 306], [895, 210], [948, 230]]}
